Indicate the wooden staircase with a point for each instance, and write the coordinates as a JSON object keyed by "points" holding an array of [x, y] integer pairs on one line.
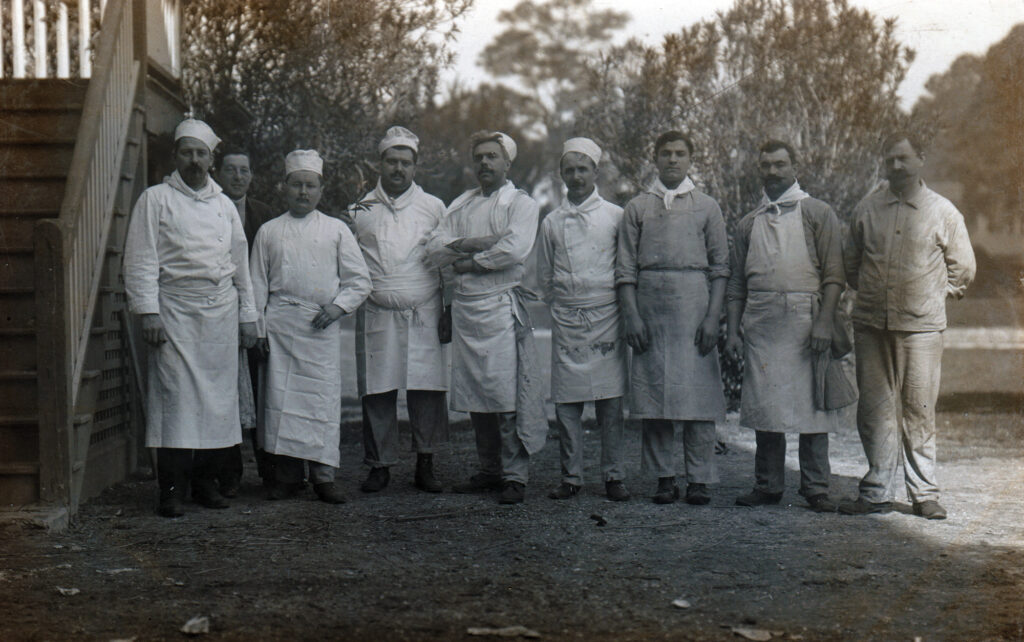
{"points": [[38, 122], [72, 162]]}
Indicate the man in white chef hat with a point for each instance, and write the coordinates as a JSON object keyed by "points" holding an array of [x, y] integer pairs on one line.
{"points": [[307, 271], [186, 274]]}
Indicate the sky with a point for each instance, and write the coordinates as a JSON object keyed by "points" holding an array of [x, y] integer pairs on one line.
{"points": [[938, 30]]}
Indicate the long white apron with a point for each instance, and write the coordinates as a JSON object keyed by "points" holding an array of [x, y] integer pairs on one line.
{"points": [[782, 299], [192, 395], [397, 346], [301, 414], [588, 353], [671, 380]]}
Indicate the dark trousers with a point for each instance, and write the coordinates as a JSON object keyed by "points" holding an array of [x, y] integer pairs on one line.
{"points": [[231, 472], [428, 418], [177, 467]]}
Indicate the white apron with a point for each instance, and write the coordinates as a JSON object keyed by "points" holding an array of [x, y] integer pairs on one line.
{"points": [[301, 384], [192, 395], [778, 374], [495, 364], [397, 347], [588, 353]]}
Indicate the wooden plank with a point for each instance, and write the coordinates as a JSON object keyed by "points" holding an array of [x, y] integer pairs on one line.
{"points": [[54, 370]]}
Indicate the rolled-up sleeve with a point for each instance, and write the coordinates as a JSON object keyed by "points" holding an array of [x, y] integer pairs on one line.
{"points": [[516, 240], [629, 246], [829, 244], [736, 289], [717, 241], [960, 262], [353, 273], [437, 253], [141, 257]]}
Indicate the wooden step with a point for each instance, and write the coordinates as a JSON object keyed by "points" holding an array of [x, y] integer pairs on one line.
{"points": [[49, 94], [19, 468], [25, 157], [41, 192], [38, 125], [18, 392], [18, 348]]}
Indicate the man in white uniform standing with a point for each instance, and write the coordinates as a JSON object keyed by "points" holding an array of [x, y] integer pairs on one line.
{"points": [[576, 266], [397, 342], [307, 271], [486, 238], [187, 274]]}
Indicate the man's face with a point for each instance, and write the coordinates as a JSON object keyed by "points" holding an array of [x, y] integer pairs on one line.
{"points": [[302, 191], [490, 164], [902, 163], [673, 161], [777, 171], [192, 159], [234, 175], [397, 169], [578, 173]]}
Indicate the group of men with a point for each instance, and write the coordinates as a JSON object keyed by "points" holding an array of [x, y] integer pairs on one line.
{"points": [[653, 277]]}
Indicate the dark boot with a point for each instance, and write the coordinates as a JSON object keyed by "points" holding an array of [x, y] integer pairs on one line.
{"points": [[172, 475], [329, 493], [667, 491], [425, 479], [206, 464], [376, 481]]}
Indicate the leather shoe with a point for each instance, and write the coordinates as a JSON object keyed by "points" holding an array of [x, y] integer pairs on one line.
{"points": [[667, 491], [564, 491], [281, 490], [171, 507], [697, 494], [616, 490], [425, 479], [328, 492], [209, 497], [376, 481], [929, 509], [820, 503], [230, 488], [512, 492], [478, 483], [864, 507], [758, 497]]}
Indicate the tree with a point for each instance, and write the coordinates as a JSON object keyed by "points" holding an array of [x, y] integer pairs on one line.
{"points": [[977, 108], [819, 74], [326, 75]]}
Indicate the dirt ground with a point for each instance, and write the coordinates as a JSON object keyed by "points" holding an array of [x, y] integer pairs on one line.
{"points": [[403, 565]]}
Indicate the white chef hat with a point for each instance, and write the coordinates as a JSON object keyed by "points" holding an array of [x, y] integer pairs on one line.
{"points": [[307, 159], [192, 128], [508, 145], [399, 137], [584, 146]]}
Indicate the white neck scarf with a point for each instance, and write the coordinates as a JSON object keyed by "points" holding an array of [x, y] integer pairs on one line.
{"points": [[669, 195], [790, 197]]}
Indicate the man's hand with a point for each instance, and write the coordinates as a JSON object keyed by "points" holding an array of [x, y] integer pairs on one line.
{"points": [[462, 266], [734, 346], [476, 244], [328, 314], [821, 333], [263, 346], [153, 329], [707, 335], [247, 334], [636, 333], [444, 325]]}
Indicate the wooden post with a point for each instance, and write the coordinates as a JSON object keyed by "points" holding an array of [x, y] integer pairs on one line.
{"points": [[18, 38], [1, 38], [63, 42], [39, 33], [53, 364], [84, 33]]}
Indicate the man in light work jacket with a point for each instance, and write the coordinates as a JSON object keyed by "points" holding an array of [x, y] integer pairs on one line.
{"points": [[485, 238], [786, 278], [397, 342], [576, 266], [186, 272], [907, 252]]}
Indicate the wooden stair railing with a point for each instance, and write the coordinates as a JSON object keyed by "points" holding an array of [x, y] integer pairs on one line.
{"points": [[70, 252]]}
